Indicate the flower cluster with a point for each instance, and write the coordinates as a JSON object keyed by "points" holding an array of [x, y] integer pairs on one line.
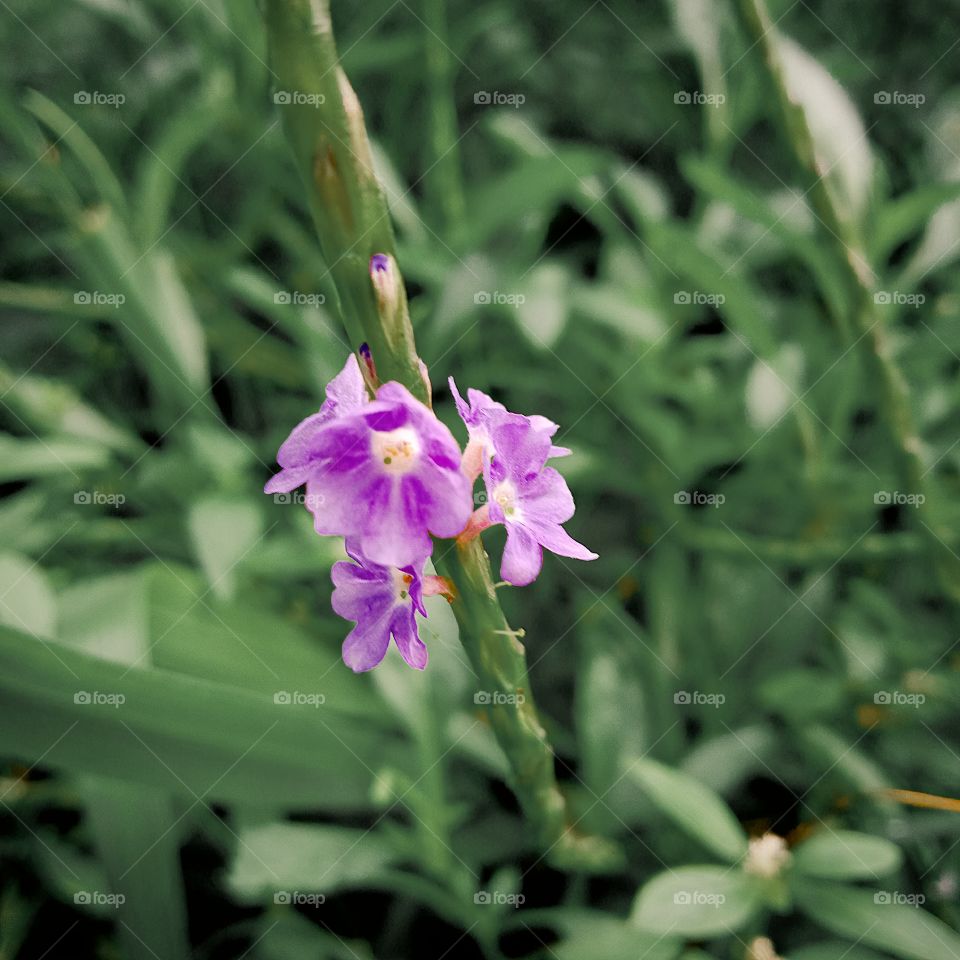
{"points": [[384, 473]]}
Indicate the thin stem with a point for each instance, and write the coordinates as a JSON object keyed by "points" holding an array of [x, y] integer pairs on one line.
{"points": [[331, 149], [868, 325]]}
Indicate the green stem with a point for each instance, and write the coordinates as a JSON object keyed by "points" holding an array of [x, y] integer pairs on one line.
{"points": [[868, 325], [329, 140], [333, 155]]}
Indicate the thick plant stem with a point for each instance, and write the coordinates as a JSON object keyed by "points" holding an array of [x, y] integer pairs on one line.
{"points": [[324, 125], [332, 152], [868, 324]]}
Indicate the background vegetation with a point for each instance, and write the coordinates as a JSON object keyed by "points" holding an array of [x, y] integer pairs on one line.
{"points": [[601, 218]]}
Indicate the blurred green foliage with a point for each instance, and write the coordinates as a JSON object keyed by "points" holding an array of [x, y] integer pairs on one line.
{"points": [[601, 219]]}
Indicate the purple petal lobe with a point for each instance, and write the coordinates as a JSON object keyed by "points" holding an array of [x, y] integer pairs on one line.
{"points": [[411, 647], [546, 497], [381, 601], [364, 647], [522, 557], [558, 541], [394, 531]]}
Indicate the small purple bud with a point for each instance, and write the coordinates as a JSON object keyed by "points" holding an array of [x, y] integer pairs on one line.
{"points": [[388, 289], [371, 367]]}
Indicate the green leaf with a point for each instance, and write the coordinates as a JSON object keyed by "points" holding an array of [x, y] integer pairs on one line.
{"points": [[845, 759], [246, 646], [54, 406], [72, 135], [839, 138], [291, 936], [877, 919], [900, 218], [786, 216], [696, 902], [187, 735], [26, 600], [774, 386], [701, 24], [831, 950], [134, 833], [726, 760], [590, 933], [846, 855], [802, 694], [107, 616], [695, 268], [22, 459], [280, 859], [694, 807], [543, 312], [611, 716], [224, 531]]}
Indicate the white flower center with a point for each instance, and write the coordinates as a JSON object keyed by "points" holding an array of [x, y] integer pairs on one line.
{"points": [[401, 585], [397, 450], [505, 495]]}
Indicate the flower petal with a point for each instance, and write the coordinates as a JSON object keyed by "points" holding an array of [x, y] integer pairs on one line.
{"points": [[463, 408], [518, 445], [346, 392], [445, 496], [558, 541], [332, 499], [360, 594], [394, 529], [366, 644], [522, 557], [287, 479], [411, 647], [545, 498]]}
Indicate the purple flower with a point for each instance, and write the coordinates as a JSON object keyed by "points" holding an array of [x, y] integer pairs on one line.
{"points": [[529, 498], [345, 394], [480, 415], [382, 601], [385, 471]]}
